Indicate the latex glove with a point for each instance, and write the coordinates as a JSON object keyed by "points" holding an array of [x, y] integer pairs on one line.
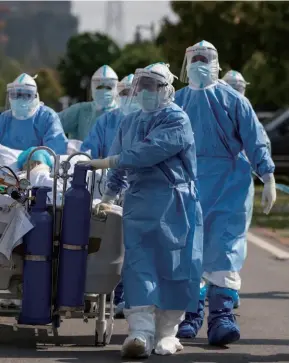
{"points": [[269, 192], [109, 162], [101, 209], [104, 206]]}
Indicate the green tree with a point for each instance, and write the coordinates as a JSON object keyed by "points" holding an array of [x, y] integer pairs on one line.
{"points": [[9, 70], [84, 55], [137, 55], [49, 87], [268, 81]]}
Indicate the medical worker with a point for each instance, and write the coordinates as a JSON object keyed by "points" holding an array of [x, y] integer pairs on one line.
{"points": [[99, 142], [29, 122], [77, 120], [103, 132], [224, 124], [162, 217], [237, 81]]}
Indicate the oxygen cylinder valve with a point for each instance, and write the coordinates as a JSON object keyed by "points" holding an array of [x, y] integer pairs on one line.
{"points": [[18, 196]]}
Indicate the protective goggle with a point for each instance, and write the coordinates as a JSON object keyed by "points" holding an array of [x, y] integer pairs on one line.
{"points": [[124, 92], [103, 87], [147, 83], [103, 84], [21, 94], [205, 55]]}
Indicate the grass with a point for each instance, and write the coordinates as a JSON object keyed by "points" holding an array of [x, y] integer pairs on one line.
{"points": [[279, 215]]}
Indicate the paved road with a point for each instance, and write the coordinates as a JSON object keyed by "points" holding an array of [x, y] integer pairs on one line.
{"points": [[263, 317]]}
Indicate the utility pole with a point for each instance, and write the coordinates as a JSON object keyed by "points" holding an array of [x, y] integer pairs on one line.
{"points": [[114, 21], [138, 37]]}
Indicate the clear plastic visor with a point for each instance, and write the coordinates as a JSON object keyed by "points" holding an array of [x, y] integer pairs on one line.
{"points": [[201, 54], [145, 90], [239, 86], [145, 83], [21, 94]]}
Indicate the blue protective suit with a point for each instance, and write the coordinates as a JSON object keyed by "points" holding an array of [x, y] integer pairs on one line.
{"points": [[224, 124], [78, 119], [42, 129], [102, 134], [162, 218]]}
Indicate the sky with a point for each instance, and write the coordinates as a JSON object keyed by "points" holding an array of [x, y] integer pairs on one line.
{"points": [[92, 16]]}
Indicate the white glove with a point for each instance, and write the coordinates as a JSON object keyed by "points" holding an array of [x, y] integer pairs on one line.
{"points": [[109, 162], [269, 192]]}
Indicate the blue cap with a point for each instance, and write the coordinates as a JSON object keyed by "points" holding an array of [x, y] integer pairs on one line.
{"points": [[40, 155]]}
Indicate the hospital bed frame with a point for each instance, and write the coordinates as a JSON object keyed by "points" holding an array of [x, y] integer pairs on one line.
{"points": [[105, 258]]}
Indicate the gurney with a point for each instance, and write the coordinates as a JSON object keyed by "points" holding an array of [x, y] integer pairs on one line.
{"points": [[104, 263]]}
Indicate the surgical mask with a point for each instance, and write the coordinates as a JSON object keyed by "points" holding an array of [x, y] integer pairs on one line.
{"points": [[22, 109], [126, 107], [103, 97], [200, 74], [148, 100]]}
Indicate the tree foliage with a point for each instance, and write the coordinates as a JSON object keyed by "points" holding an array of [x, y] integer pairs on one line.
{"points": [[138, 55], [9, 70], [85, 54], [251, 37], [49, 87]]}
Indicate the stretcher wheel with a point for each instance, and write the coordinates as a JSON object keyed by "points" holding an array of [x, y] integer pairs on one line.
{"points": [[56, 321], [104, 340], [87, 306]]}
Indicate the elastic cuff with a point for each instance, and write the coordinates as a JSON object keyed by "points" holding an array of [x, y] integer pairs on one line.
{"points": [[268, 178], [113, 161]]}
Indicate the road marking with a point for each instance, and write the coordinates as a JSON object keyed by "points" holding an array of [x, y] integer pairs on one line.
{"points": [[277, 252]]}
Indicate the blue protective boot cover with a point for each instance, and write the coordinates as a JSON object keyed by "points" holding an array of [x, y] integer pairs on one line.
{"points": [[193, 322], [222, 324]]}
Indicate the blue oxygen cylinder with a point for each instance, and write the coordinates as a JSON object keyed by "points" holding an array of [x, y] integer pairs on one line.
{"points": [[74, 243], [37, 268]]}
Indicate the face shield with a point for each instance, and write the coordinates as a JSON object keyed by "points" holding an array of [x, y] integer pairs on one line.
{"points": [[123, 90], [201, 66], [150, 90], [22, 101]]}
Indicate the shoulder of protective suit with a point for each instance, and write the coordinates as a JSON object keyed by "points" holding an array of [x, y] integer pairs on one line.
{"points": [[222, 81], [225, 88], [180, 91], [173, 111], [174, 107], [115, 112], [5, 114], [43, 109]]}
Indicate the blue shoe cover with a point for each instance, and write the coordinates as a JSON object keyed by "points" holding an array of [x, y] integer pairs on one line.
{"points": [[193, 322], [236, 298], [118, 294], [203, 292], [119, 310], [222, 324]]}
